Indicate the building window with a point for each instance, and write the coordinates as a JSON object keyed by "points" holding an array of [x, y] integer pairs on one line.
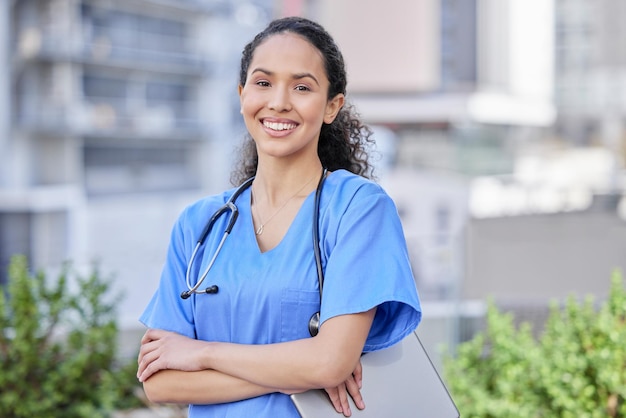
{"points": [[15, 233], [166, 92], [126, 168], [97, 86], [129, 31]]}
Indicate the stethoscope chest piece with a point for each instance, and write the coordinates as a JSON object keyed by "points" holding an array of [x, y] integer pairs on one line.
{"points": [[314, 324]]}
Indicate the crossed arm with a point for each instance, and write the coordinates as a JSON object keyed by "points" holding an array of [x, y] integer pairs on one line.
{"points": [[177, 369]]}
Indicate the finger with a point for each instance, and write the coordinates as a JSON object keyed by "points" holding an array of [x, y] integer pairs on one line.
{"points": [[358, 374], [152, 334], [354, 390], [142, 363], [141, 367], [142, 353], [147, 336], [343, 398], [146, 347], [148, 367], [150, 362], [333, 395]]}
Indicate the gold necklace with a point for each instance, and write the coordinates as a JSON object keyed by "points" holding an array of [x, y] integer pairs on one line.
{"points": [[260, 229]]}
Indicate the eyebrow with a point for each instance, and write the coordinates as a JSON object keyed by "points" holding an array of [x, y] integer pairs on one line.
{"points": [[297, 76]]}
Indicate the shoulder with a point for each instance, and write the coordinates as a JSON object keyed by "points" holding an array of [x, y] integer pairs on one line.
{"points": [[343, 188], [350, 199], [347, 183]]}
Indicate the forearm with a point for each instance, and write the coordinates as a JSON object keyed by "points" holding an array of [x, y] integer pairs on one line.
{"points": [[323, 361], [320, 362], [201, 387]]}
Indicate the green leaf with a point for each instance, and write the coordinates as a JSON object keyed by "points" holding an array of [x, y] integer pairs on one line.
{"points": [[58, 348], [575, 368]]}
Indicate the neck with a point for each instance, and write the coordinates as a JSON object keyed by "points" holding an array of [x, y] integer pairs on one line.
{"points": [[274, 185], [263, 211]]}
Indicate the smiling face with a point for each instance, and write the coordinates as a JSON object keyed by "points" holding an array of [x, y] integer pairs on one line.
{"points": [[285, 98]]}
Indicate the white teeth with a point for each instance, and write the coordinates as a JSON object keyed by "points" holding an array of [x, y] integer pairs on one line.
{"points": [[279, 126]]}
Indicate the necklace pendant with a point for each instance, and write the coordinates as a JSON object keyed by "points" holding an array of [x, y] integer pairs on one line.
{"points": [[259, 231]]}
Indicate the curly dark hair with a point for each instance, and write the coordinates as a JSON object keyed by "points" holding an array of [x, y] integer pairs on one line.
{"points": [[344, 143]]}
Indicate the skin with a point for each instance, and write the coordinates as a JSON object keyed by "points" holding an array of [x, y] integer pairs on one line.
{"points": [[284, 103]]}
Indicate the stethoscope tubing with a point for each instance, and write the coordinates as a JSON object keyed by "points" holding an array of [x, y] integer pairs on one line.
{"points": [[231, 207], [314, 322], [194, 289]]}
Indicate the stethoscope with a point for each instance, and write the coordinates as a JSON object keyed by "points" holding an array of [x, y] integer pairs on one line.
{"points": [[231, 207]]}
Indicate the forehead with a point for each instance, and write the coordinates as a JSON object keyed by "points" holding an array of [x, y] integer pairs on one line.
{"points": [[288, 52]]}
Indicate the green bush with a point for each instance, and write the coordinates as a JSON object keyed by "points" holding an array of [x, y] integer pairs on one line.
{"points": [[575, 368], [58, 347]]}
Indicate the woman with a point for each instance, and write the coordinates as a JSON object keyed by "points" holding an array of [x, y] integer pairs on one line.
{"points": [[240, 351]]}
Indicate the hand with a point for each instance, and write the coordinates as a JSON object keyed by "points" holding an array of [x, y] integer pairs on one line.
{"points": [[352, 386], [168, 350]]}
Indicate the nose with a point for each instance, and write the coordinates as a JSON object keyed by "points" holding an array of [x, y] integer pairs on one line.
{"points": [[279, 100]]}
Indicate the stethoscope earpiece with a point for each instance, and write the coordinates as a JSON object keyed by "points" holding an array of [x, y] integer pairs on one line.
{"points": [[211, 290]]}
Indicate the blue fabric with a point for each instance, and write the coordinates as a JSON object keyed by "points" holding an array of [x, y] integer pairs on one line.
{"points": [[269, 297]]}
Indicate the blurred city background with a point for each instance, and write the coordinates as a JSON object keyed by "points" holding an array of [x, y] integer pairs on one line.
{"points": [[500, 127]]}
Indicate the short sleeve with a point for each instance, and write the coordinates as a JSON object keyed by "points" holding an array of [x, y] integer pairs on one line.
{"points": [[167, 310], [367, 264]]}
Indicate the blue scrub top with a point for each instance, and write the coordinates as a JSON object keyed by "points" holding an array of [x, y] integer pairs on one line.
{"points": [[269, 297]]}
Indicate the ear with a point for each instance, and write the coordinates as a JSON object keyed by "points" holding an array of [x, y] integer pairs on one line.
{"points": [[333, 107], [240, 90]]}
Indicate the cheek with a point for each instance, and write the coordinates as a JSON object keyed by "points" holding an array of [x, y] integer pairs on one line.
{"points": [[309, 107], [250, 104]]}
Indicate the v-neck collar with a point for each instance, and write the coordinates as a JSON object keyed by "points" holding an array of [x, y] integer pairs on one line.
{"points": [[305, 209]]}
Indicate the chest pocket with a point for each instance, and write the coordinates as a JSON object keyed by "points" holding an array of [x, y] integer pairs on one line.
{"points": [[296, 309]]}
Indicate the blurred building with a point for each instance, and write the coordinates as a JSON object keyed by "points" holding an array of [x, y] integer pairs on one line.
{"points": [[558, 226], [458, 81], [462, 85], [591, 72], [567, 204], [114, 114], [508, 131]]}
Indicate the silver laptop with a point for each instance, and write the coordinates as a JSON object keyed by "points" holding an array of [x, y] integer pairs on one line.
{"points": [[390, 375]]}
